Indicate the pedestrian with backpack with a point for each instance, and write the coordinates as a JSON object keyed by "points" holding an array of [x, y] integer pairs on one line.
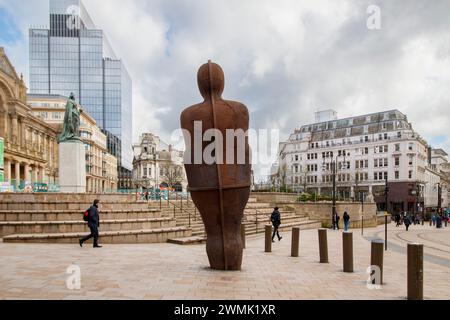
{"points": [[93, 219], [276, 222]]}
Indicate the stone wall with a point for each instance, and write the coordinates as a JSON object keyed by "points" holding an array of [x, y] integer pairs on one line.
{"points": [[321, 211]]}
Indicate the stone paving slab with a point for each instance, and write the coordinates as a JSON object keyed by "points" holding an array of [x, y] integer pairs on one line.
{"points": [[171, 272]]}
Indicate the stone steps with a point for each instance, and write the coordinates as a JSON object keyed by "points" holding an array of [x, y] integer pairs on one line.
{"points": [[250, 230], [46, 227], [71, 215], [160, 235], [69, 205], [188, 240]]}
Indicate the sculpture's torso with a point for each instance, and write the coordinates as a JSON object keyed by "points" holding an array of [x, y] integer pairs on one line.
{"points": [[229, 115]]}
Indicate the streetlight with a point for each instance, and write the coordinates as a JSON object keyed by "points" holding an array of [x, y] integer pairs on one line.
{"points": [[333, 174], [386, 191]]}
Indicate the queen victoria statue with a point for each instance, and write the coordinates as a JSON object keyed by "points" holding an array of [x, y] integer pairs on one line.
{"points": [[72, 152], [71, 127]]}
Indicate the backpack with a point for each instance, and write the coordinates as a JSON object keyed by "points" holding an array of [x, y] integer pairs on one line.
{"points": [[86, 215]]}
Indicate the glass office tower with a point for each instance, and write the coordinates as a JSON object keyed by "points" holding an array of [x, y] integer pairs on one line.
{"points": [[73, 56]]}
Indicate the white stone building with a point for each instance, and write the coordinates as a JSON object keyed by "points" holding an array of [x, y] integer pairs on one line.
{"points": [[157, 165], [367, 150]]}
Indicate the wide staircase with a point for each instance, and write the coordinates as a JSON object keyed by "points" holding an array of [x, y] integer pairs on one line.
{"points": [[57, 218], [256, 217]]}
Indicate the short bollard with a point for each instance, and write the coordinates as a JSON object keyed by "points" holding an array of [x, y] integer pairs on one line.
{"points": [[415, 271], [295, 242], [347, 239], [268, 238], [376, 260], [243, 236], [323, 246], [431, 222]]}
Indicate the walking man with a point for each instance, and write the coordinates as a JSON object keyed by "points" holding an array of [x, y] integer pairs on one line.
{"points": [[346, 221], [276, 222], [93, 224], [407, 222]]}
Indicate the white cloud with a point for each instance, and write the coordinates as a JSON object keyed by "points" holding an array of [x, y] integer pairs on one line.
{"points": [[283, 59]]}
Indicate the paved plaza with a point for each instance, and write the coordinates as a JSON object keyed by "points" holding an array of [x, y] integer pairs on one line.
{"points": [[165, 271]]}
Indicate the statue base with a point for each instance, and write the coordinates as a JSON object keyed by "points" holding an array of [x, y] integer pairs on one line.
{"points": [[72, 167]]}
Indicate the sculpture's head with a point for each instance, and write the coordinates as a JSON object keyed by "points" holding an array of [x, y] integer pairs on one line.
{"points": [[211, 79], [72, 96]]}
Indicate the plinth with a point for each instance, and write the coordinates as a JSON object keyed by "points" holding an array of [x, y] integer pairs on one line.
{"points": [[72, 167]]}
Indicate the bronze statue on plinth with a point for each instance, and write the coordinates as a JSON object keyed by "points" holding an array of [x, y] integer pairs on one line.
{"points": [[71, 125], [220, 188]]}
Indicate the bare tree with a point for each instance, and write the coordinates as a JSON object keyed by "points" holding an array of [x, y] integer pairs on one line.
{"points": [[172, 174]]}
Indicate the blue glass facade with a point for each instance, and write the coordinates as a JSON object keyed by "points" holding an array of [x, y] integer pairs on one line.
{"points": [[73, 56]]}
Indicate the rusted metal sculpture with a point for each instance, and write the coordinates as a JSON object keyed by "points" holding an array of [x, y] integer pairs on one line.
{"points": [[220, 190]]}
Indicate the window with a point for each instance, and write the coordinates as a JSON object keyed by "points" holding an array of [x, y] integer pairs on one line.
{"points": [[397, 161], [397, 175], [366, 150], [397, 147], [385, 136], [410, 147], [410, 174], [410, 160], [366, 138], [145, 172], [399, 134]]}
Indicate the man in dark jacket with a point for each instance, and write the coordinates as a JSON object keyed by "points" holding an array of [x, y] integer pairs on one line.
{"points": [[276, 222], [93, 224]]}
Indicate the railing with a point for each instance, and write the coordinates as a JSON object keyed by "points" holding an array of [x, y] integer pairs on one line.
{"points": [[181, 208]]}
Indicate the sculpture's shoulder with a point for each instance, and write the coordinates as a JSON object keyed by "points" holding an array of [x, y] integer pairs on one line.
{"points": [[238, 107], [192, 112]]}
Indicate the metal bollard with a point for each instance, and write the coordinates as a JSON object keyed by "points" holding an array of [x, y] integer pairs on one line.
{"points": [[295, 242], [268, 239], [243, 236], [415, 271], [376, 258], [347, 242], [323, 245]]}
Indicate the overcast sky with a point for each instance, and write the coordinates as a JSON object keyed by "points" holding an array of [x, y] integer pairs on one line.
{"points": [[283, 59]]}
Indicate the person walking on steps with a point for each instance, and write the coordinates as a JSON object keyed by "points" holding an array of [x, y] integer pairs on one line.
{"points": [[93, 224], [276, 222]]}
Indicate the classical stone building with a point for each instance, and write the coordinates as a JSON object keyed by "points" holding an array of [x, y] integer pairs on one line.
{"points": [[101, 167], [367, 150], [31, 150], [157, 164]]}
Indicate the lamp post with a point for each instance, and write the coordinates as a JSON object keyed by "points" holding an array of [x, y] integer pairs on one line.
{"points": [[386, 192], [333, 174]]}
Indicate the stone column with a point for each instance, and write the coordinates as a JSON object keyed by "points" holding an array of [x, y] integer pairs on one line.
{"points": [[34, 174], [40, 174], [26, 173], [23, 133], [352, 192], [15, 129], [7, 170], [17, 173]]}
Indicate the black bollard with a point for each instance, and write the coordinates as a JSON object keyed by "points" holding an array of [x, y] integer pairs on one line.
{"points": [[347, 239], [415, 271], [268, 239], [295, 242], [323, 245]]}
